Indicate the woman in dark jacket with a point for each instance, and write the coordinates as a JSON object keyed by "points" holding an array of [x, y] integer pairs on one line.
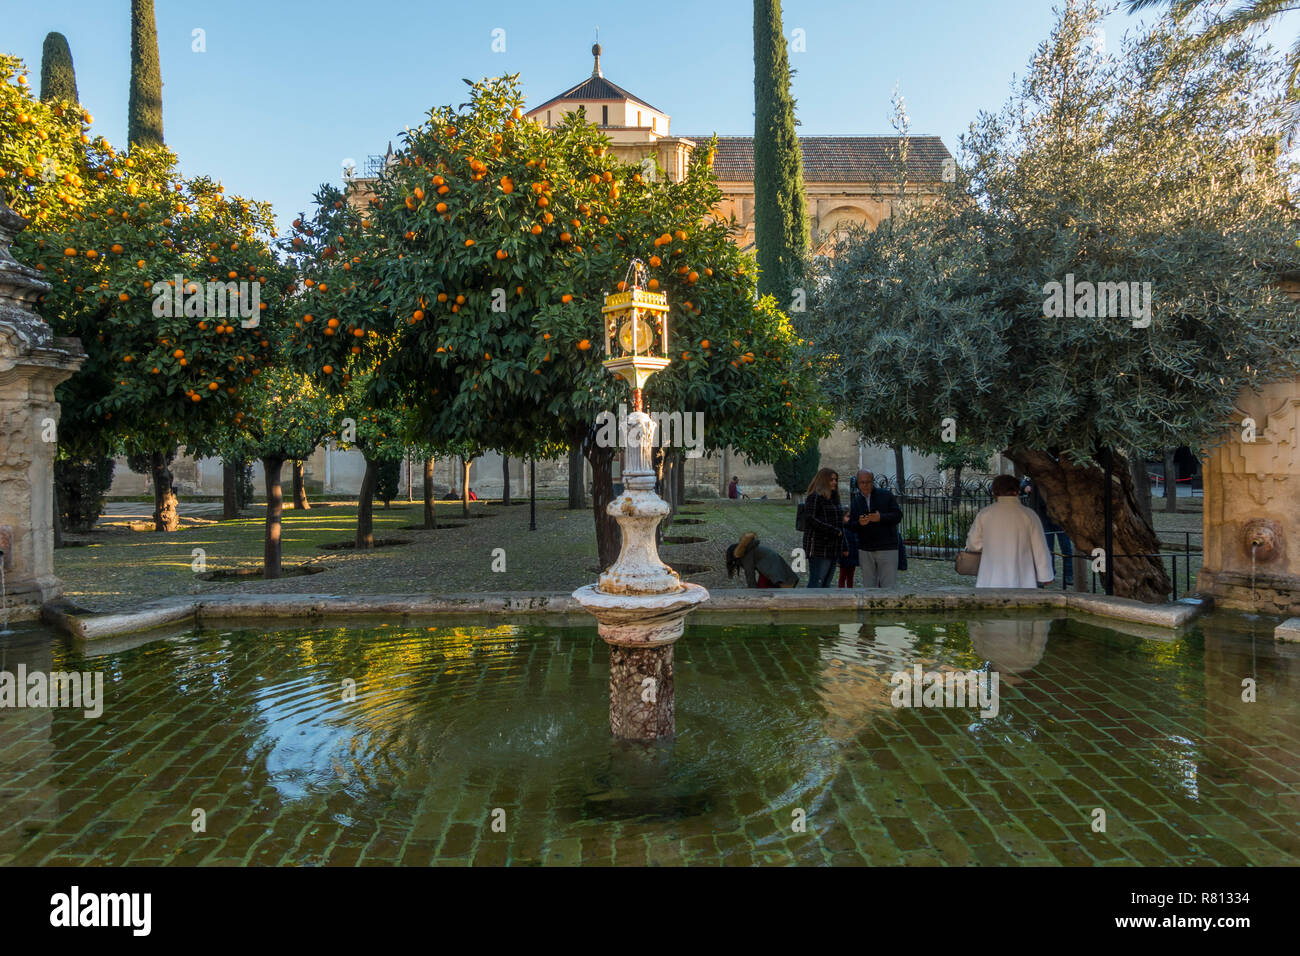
{"points": [[823, 535]]}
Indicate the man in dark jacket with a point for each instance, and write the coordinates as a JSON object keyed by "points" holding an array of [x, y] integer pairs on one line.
{"points": [[874, 516]]}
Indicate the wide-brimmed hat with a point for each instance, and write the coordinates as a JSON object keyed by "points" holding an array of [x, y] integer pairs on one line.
{"points": [[746, 542]]}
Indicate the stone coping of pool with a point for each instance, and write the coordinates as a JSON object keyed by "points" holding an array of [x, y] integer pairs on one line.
{"points": [[89, 626], [1288, 630]]}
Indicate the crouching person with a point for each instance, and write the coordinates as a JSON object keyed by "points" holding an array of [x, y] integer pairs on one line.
{"points": [[763, 567]]}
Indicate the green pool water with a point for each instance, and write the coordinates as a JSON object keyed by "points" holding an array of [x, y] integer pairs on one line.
{"points": [[455, 729]]}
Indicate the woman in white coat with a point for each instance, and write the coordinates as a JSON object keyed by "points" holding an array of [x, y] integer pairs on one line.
{"points": [[1010, 538]]}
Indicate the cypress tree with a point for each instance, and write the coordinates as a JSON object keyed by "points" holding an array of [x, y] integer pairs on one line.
{"points": [[58, 78], [780, 213], [144, 116]]}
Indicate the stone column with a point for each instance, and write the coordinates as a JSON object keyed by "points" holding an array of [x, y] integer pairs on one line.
{"points": [[32, 363], [1252, 505], [640, 603]]}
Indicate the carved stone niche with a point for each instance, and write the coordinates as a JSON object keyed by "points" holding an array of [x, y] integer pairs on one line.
{"points": [[32, 363]]}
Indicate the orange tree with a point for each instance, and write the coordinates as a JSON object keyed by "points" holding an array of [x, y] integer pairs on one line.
{"points": [[284, 416], [481, 261], [112, 233]]}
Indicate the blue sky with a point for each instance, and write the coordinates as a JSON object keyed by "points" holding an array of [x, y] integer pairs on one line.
{"points": [[288, 89]]}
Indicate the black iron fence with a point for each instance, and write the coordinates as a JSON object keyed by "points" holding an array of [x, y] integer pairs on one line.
{"points": [[937, 515]]}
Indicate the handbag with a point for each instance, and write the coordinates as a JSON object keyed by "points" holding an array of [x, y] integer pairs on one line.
{"points": [[968, 562]]}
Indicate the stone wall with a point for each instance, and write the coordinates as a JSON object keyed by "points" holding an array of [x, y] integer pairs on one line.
{"points": [[339, 472], [1252, 497]]}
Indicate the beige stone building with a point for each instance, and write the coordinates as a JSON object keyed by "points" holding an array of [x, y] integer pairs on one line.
{"points": [[848, 180]]}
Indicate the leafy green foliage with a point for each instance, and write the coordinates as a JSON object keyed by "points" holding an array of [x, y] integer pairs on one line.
{"points": [[794, 473], [780, 220], [144, 111], [1155, 166], [58, 77]]}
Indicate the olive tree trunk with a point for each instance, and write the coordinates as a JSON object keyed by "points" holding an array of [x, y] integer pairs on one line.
{"points": [[1171, 481], [1077, 494], [505, 479]]}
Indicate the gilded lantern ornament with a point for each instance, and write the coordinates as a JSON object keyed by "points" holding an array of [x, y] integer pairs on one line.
{"points": [[636, 331]]}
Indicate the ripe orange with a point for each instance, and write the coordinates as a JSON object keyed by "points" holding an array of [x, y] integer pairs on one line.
{"points": [[655, 262], [501, 253], [468, 243], [116, 247], [566, 298], [443, 190], [536, 230], [584, 345], [213, 386], [333, 323], [653, 284], [123, 297], [507, 185], [328, 369], [565, 237], [418, 316], [419, 193], [442, 297], [441, 207], [179, 353]]}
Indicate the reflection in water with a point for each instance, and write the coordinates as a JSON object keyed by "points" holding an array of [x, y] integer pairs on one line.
{"points": [[396, 744]]}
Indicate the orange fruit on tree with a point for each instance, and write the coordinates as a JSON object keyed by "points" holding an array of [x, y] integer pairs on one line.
{"points": [[333, 323], [443, 190], [507, 185], [584, 345], [655, 262], [418, 316], [468, 243], [213, 386], [441, 207], [419, 193], [442, 297], [116, 247], [536, 230], [328, 369], [501, 253], [123, 297], [179, 353], [653, 284], [566, 298]]}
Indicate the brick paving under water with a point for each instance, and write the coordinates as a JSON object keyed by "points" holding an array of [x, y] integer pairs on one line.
{"points": [[451, 724]]}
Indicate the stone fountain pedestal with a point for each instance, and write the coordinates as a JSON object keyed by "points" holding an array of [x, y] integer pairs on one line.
{"points": [[32, 363], [640, 604]]}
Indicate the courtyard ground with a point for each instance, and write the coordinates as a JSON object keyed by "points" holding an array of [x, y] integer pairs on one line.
{"points": [[122, 564]]}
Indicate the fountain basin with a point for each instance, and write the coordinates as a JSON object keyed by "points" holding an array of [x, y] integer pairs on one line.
{"points": [[640, 620]]}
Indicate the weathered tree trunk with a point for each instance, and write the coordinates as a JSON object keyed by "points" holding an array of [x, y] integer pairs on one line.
{"points": [[899, 469], [166, 517], [505, 479], [465, 464], [271, 549], [1076, 494], [1171, 481], [609, 539], [956, 484], [577, 494], [299, 487], [430, 519], [1141, 485], [366, 506], [681, 479], [230, 488]]}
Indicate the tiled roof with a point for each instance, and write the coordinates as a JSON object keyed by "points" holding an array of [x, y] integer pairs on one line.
{"points": [[836, 159], [595, 88]]}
